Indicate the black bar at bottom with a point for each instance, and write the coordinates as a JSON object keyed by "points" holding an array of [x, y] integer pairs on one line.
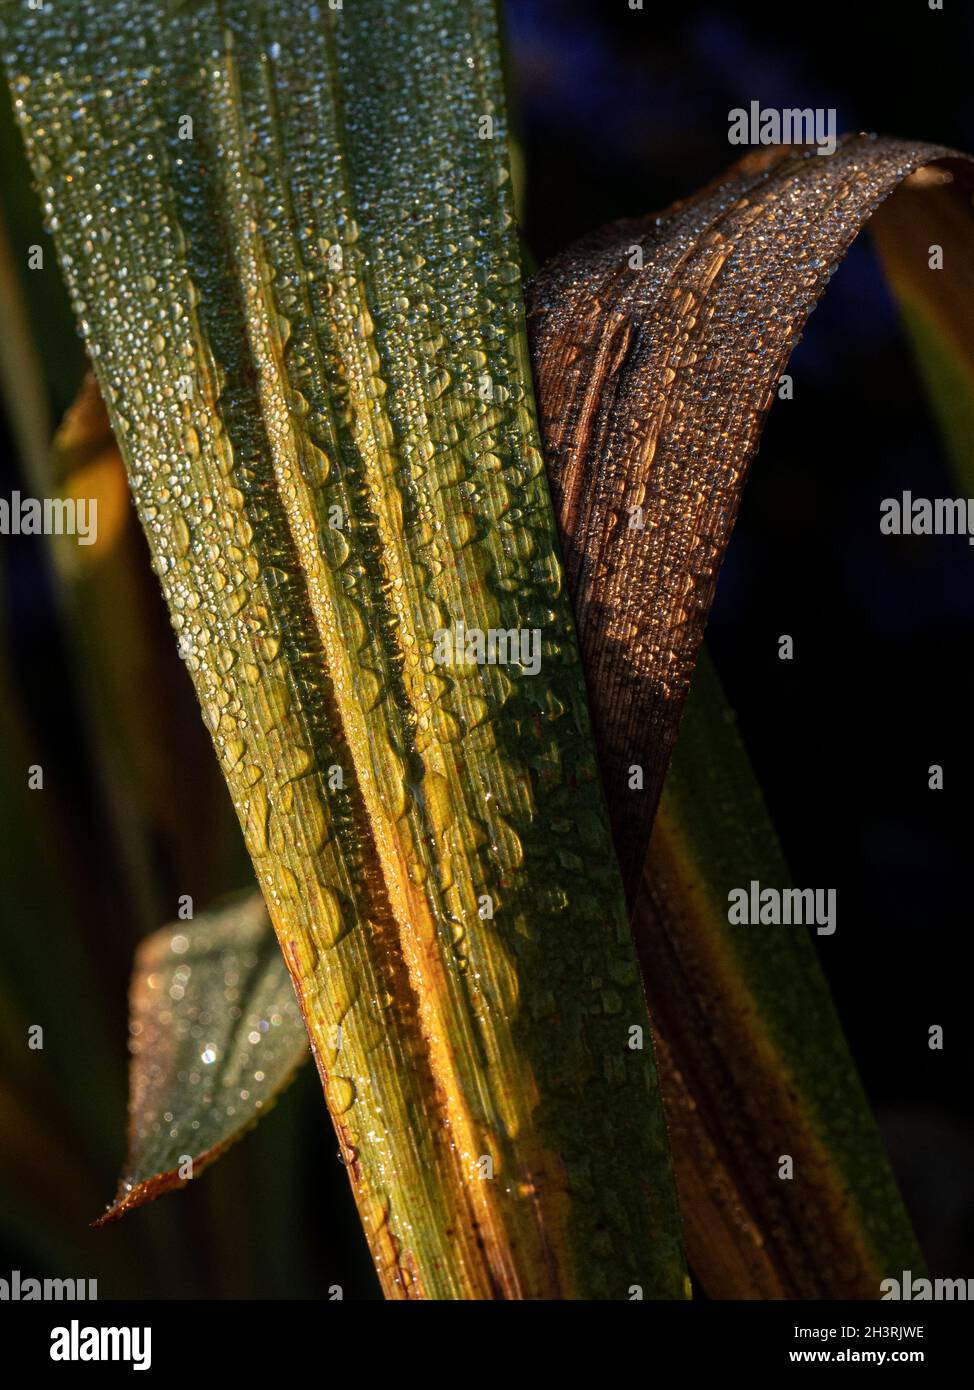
{"points": [[254, 1339]]}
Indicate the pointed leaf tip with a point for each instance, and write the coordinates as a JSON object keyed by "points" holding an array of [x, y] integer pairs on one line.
{"points": [[216, 1034]]}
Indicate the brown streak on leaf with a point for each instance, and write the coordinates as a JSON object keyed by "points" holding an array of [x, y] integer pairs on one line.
{"points": [[729, 1102]]}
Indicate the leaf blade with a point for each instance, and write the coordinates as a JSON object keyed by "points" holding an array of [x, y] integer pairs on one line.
{"points": [[450, 1056], [216, 1035], [758, 1063], [694, 353]]}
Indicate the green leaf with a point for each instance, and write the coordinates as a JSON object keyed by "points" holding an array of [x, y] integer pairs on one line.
{"points": [[289, 237], [216, 1034], [753, 1058]]}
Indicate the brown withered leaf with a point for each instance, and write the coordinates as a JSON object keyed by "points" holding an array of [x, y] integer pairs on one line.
{"points": [[657, 348], [654, 385]]}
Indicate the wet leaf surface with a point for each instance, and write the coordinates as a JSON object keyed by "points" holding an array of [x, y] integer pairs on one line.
{"points": [[301, 291], [657, 347], [216, 1033]]}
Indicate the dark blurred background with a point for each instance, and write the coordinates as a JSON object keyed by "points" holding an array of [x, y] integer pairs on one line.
{"points": [[618, 112]]}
